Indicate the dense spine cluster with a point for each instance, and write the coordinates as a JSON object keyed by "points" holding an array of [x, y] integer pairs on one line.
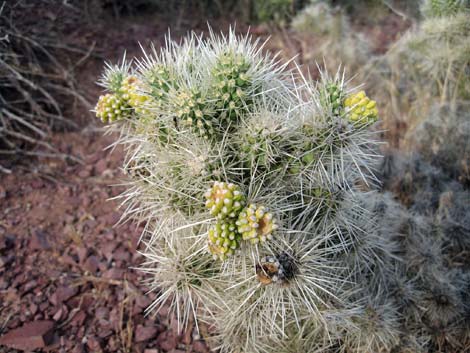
{"points": [[257, 218]]}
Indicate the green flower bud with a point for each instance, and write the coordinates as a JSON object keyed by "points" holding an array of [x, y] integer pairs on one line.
{"points": [[224, 200], [332, 98], [224, 239], [360, 109], [256, 224], [112, 107]]}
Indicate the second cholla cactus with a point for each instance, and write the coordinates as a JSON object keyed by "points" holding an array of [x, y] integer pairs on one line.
{"points": [[250, 192]]}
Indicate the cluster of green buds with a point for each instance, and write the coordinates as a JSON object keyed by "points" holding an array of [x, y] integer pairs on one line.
{"points": [[130, 91], [234, 221], [307, 148], [191, 110], [224, 200], [332, 97], [158, 80], [255, 148], [231, 83], [224, 239], [444, 8], [256, 224], [360, 109], [113, 107], [124, 100]]}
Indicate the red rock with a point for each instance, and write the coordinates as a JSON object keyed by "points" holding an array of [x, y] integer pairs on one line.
{"points": [[188, 334], [82, 254], [143, 301], [114, 273], [63, 294], [79, 318], [101, 166], [84, 173], [121, 254], [58, 315], [200, 347], [94, 344], [39, 241], [30, 285], [103, 333], [37, 184], [3, 193], [33, 335], [102, 313], [78, 349], [152, 350], [167, 341], [92, 264], [107, 249], [145, 333], [33, 308]]}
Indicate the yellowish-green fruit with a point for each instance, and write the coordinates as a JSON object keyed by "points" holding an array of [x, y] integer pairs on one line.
{"points": [[256, 224], [112, 107], [224, 239], [224, 200], [130, 91], [360, 109]]}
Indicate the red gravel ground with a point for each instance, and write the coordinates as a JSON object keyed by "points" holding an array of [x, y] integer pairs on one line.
{"points": [[67, 282], [63, 263]]}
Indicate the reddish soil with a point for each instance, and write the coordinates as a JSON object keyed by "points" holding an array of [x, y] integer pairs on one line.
{"points": [[63, 265], [62, 260]]}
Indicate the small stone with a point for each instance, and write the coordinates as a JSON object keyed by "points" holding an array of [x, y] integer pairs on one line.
{"points": [[167, 341], [39, 241], [79, 318], [3, 193], [102, 313], [33, 308], [63, 294], [143, 301], [103, 333], [58, 315], [84, 173], [92, 264], [30, 285], [33, 335], [114, 273], [145, 333], [93, 344], [101, 166], [200, 347]]}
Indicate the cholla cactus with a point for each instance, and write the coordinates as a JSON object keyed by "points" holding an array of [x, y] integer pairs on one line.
{"points": [[326, 33], [427, 66], [252, 190], [444, 8]]}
